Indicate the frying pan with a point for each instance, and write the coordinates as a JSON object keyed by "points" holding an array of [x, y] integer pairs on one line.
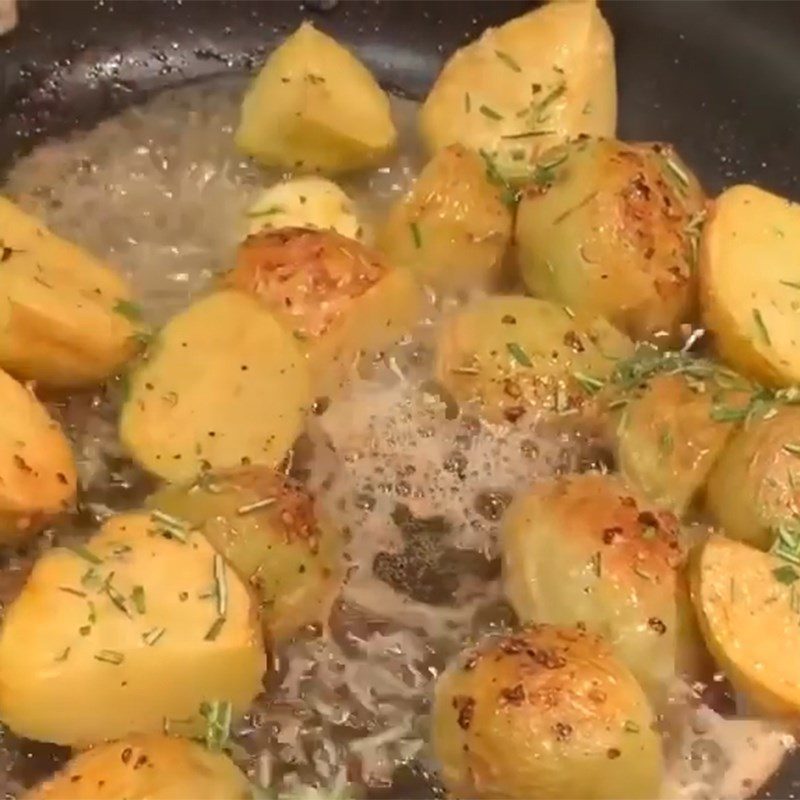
{"points": [[721, 80]]}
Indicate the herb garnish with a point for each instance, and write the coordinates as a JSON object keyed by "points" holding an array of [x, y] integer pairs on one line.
{"points": [[220, 584], [589, 384], [153, 635], [508, 60], [70, 590], [508, 194], [762, 328], [170, 526], [792, 284], [415, 234], [787, 541], [138, 599], [85, 554], [249, 508], [665, 443], [218, 715], [527, 134], [128, 309], [518, 354], [792, 449], [785, 575], [265, 212], [110, 657], [64, 655], [489, 112], [213, 631], [116, 597], [548, 99], [467, 102]]}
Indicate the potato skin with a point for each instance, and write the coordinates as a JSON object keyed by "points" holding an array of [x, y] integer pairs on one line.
{"points": [[534, 82], [38, 478], [546, 712], [268, 528], [749, 274], [70, 642], [749, 620], [452, 228], [481, 349], [146, 768], [608, 235], [315, 107], [59, 318], [583, 549], [754, 485], [338, 298], [223, 385], [668, 438]]}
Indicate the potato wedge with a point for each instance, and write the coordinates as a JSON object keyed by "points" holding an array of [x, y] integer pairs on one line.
{"points": [[224, 385], [754, 488], [339, 298], [669, 435], [308, 202], [65, 316], [146, 768], [748, 607], [140, 626], [545, 712], [513, 355], [453, 227], [37, 469], [613, 232], [583, 549], [315, 106], [269, 530], [750, 283], [534, 82]]}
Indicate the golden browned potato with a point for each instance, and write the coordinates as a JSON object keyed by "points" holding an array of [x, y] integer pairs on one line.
{"points": [[339, 298], [128, 633], [748, 604], [613, 232], [750, 282], [66, 318], [513, 355], [453, 227], [315, 106], [269, 530], [37, 469], [583, 549], [547, 713], [754, 487], [146, 768], [538, 80], [672, 429], [223, 385]]}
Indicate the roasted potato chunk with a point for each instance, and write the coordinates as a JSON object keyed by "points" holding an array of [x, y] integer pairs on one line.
{"points": [[137, 628], [308, 202], [146, 768], [513, 355], [66, 319], [37, 469], [748, 605], [269, 530], [534, 82], [548, 713], [581, 549], [315, 106], [613, 232], [338, 298], [754, 488], [224, 385], [453, 227], [750, 283], [671, 431]]}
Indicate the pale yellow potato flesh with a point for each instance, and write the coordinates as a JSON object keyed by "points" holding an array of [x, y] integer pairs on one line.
{"points": [[545, 712], [534, 82], [520, 356], [146, 768], [750, 617], [338, 298], [583, 549], [315, 107], [754, 487], [750, 283], [86, 657], [63, 318], [270, 530], [453, 227], [223, 385], [37, 469]]}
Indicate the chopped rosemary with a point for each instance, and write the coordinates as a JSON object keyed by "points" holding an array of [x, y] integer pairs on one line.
{"points": [[170, 526], [218, 715], [577, 207], [489, 112], [631, 727], [792, 448], [467, 102], [249, 508], [110, 657], [665, 442], [785, 575], [84, 553], [787, 541], [213, 631], [128, 309], [590, 384], [549, 99], [153, 635], [64, 655], [256, 212], [791, 284], [518, 354], [138, 599], [89, 577], [527, 134], [508, 194], [220, 584], [465, 371], [678, 172], [117, 598], [508, 60], [727, 414], [762, 328], [596, 563], [415, 234], [92, 612], [70, 590]]}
